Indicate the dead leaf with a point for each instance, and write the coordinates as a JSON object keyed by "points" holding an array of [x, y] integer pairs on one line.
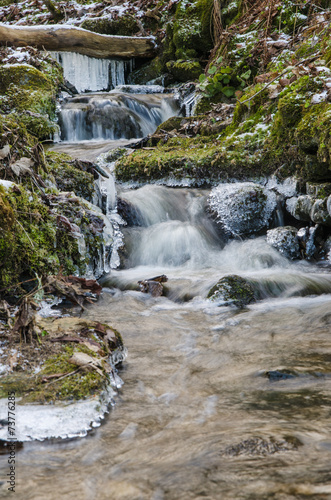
{"points": [[22, 166], [85, 361], [4, 152]]}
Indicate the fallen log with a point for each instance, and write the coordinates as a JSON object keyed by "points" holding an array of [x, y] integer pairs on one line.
{"points": [[71, 39]]}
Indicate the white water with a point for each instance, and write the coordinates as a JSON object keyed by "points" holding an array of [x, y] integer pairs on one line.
{"points": [[113, 116]]}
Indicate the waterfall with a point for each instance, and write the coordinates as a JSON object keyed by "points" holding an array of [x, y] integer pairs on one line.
{"points": [[111, 116], [92, 74]]}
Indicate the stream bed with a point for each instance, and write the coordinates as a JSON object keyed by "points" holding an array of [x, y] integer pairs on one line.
{"points": [[217, 402], [206, 410]]}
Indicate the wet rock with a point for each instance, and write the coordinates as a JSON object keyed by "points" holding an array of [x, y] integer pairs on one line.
{"points": [[276, 375], [300, 207], [318, 190], [242, 208], [259, 446], [153, 285], [319, 212], [129, 213], [306, 238], [232, 290], [285, 240]]}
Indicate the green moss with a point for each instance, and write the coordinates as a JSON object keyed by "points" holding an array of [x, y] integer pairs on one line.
{"points": [[39, 125], [191, 30], [24, 76], [184, 70], [69, 177], [31, 93], [35, 243], [147, 72], [125, 25], [202, 159], [234, 290]]}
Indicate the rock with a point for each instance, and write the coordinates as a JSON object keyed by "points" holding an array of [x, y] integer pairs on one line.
{"points": [[261, 447], [129, 213], [232, 290], [306, 239], [276, 375], [320, 190], [242, 208], [319, 212], [285, 240], [153, 285], [300, 207]]}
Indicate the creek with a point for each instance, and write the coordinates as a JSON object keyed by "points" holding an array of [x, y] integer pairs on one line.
{"points": [[217, 402]]}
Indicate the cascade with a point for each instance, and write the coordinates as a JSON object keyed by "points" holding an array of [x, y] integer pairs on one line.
{"points": [[102, 116]]}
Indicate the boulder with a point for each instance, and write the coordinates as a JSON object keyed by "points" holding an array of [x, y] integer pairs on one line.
{"points": [[285, 240], [242, 208], [319, 212], [232, 290], [300, 207]]}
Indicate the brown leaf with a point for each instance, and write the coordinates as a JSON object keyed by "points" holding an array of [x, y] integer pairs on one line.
{"points": [[284, 82], [22, 166], [4, 152]]}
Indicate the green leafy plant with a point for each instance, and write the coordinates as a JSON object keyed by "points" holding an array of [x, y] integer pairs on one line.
{"points": [[217, 80]]}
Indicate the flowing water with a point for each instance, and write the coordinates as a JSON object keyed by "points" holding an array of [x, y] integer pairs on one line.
{"points": [[217, 402]]}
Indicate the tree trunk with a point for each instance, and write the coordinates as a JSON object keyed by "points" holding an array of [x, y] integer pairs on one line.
{"points": [[71, 39]]}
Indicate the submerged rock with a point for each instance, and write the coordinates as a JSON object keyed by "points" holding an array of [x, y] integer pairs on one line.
{"points": [[261, 447], [285, 240], [232, 290], [242, 208]]}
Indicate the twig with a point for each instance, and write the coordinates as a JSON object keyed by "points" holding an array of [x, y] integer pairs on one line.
{"points": [[63, 376], [311, 58], [18, 222]]}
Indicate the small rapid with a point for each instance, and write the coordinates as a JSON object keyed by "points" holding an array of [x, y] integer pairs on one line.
{"points": [[170, 231]]}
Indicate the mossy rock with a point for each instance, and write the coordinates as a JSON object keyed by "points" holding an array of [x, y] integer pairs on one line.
{"points": [[184, 70], [191, 30], [56, 358], [170, 124], [68, 176], [202, 159], [125, 25], [233, 290], [35, 243], [147, 72], [24, 76], [27, 245], [39, 125]]}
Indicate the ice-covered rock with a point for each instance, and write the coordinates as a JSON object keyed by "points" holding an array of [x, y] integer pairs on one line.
{"points": [[285, 240], [300, 207], [242, 208], [319, 212], [306, 238]]}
